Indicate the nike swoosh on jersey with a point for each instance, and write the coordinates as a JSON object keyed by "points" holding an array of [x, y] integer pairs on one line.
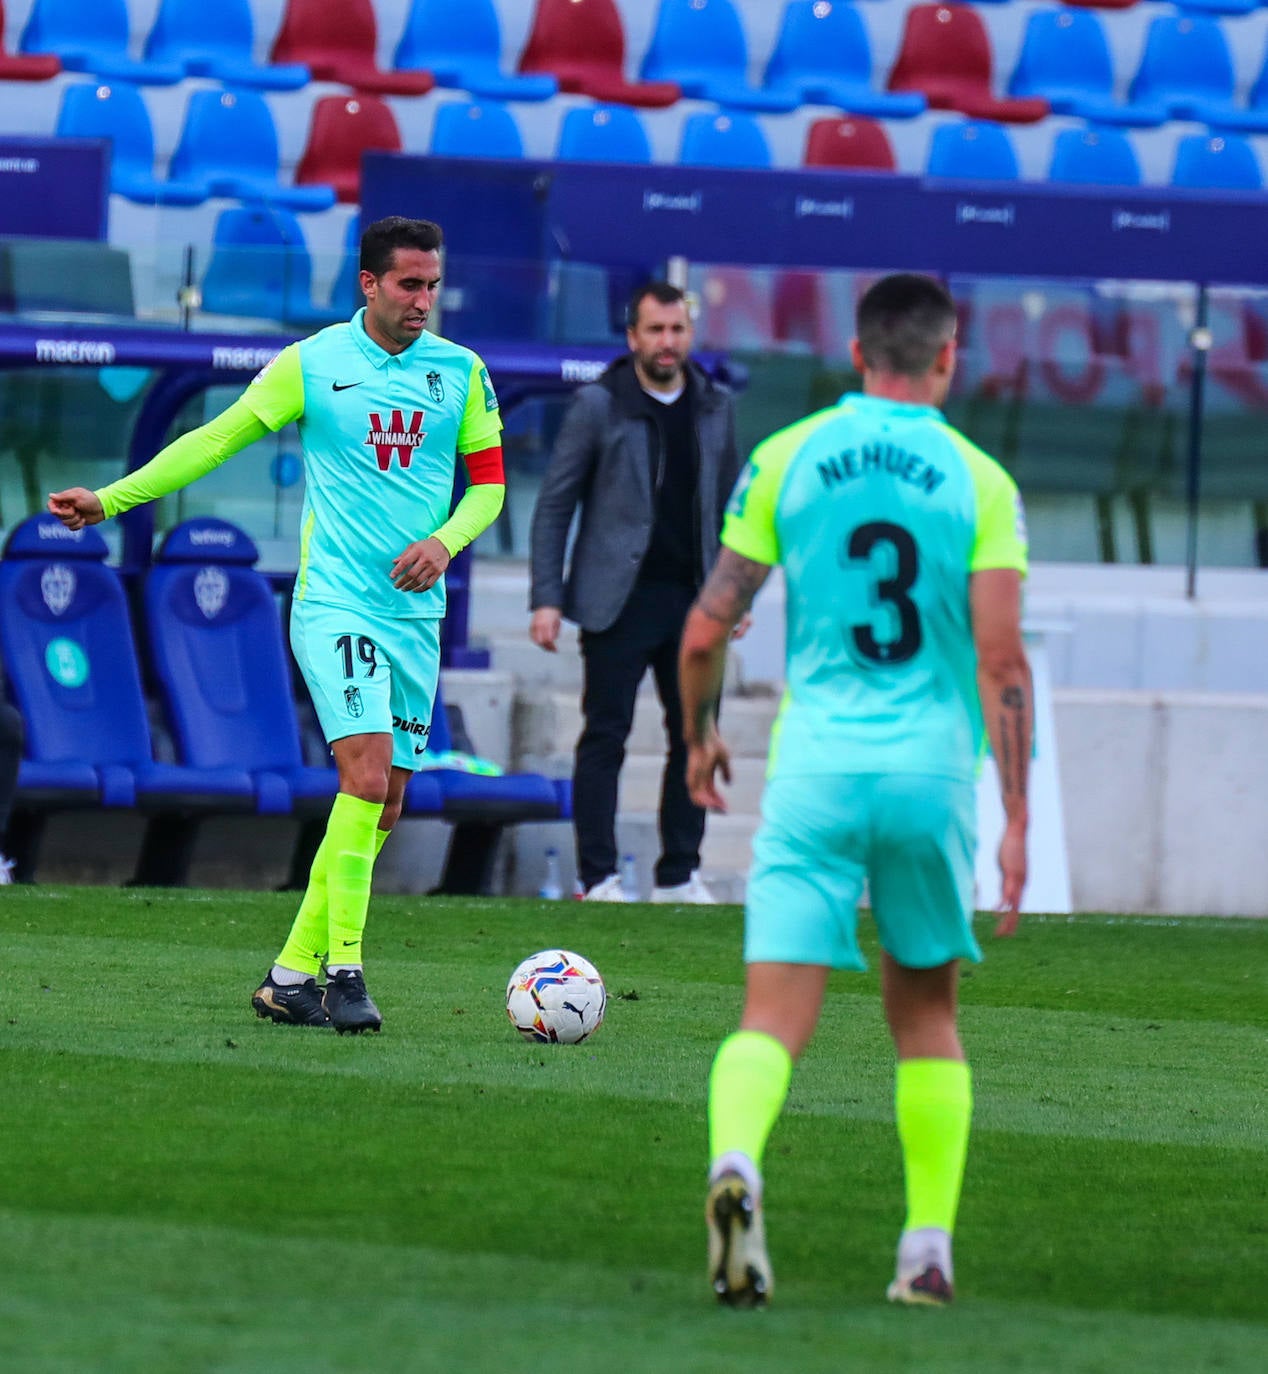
{"points": [[344, 386]]}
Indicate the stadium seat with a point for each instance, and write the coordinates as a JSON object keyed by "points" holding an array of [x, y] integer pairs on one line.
{"points": [[603, 133], [852, 144], [699, 45], [582, 45], [946, 55], [461, 45], [342, 128], [1187, 67], [260, 268], [972, 151], [36, 67], [339, 42], [345, 292], [69, 657], [92, 36], [1094, 157], [823, 57], [479, 806], [1065, 60], [116, 111], [229, 145], [217, 40], [723, 140], [68, 277], [476, 129], [1226, 7], [1224, 162]]}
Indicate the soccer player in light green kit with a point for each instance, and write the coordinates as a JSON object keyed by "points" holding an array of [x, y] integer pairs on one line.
{"points": [[903, 548], [383, 409]]}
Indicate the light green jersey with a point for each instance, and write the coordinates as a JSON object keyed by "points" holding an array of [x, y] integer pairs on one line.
{"points": [[380, 433], [878, 512]]}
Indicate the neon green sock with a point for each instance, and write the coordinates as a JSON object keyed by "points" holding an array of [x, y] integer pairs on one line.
{"points": [[380, 839], [350, 854], [747, 1088], [933, 1100]]}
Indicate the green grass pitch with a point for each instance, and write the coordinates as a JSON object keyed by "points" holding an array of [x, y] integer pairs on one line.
{"points": [[186, 1188]]}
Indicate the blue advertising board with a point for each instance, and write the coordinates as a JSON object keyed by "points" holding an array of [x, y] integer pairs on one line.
{"points": [[54, 188]]}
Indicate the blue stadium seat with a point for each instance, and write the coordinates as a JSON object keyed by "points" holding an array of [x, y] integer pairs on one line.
{"points": [[1187, 67], [603, 133], [1224, 162], [700, 46], [216, 40], [823, 57], [229, 145], [972, 151], [222, 668], [117, 112], [723, 140], [1065, 59], [260, 268], [476, 129], [67, 647], [1094, 157], [345, 291], [461, 45], [92, 36]]}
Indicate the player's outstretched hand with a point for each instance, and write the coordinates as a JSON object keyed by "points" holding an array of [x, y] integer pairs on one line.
{"points": [[76, 507], [1012, 872], [420, 566], [704, 761]]}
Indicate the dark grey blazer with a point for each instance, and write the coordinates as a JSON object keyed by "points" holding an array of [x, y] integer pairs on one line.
{"points": [[605, 459]]}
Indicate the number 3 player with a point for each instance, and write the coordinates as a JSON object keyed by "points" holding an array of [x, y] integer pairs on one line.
{"points": [[383, 409]]}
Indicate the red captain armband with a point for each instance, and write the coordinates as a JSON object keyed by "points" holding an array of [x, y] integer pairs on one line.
{"points": [[485, 467]]}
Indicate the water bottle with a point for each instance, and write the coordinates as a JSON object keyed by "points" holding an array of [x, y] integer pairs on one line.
{"points": [[551, 889], [629, 877]]}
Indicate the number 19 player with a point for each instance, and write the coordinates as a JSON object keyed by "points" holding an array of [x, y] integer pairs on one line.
{"points": [[383, 409]]}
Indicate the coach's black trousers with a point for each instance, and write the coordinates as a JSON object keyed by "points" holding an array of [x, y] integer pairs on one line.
{"points": [[645, 635]]}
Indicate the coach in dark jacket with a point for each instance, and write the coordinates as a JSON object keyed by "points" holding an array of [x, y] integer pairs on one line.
{"points": [[648, 453]]}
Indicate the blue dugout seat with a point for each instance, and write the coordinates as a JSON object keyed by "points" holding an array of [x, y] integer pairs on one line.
{"points": [[476, 128], [229, 145], [217, 40], [69, 658], [700, 46], [92, 36], [603, 133], [260, 268], [461, 45], [823, 57], [116, 111]]}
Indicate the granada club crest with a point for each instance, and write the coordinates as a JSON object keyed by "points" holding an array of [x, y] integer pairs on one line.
{"points": [[398, 435], [435, 387], [352, 700]]}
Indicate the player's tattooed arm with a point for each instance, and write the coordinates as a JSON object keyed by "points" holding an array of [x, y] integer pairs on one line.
{"points": [[1014, 717], [729, 590]]}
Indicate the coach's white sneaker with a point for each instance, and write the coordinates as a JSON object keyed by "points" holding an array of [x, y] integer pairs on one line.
{"points": [[609, 890], [693, 892]]}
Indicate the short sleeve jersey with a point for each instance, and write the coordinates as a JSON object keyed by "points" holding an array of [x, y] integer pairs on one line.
{"points": [[380, 434], [878, 512]]}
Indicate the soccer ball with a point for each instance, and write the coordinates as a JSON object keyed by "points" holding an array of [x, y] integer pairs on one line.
{"points": [[556, 998]]}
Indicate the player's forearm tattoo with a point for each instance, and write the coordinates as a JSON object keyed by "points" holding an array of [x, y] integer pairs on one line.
{"points": [[731, 586], [1013, 730]]}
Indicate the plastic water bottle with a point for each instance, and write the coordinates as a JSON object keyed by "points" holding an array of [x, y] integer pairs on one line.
{"points": [[629, 877], [552, 889]]}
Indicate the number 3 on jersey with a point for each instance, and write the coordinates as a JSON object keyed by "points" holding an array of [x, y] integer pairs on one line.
{"points": [[888, 554]]}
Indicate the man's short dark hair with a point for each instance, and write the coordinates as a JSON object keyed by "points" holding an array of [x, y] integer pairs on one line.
{"points": [[903, 320], [660, 291], [382, 238]]}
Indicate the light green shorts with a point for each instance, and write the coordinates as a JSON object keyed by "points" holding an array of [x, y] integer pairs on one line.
{"points": [[369, 674], [911, 838]]}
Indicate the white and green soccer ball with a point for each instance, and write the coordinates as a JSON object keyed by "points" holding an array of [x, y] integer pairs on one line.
{"points": [[556, 997]]}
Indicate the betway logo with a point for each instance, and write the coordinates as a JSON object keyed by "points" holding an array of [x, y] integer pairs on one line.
{"points": [[985, 214], [60, 532], [398, 436], [97, 352], [1159, 222], [225, 538]]}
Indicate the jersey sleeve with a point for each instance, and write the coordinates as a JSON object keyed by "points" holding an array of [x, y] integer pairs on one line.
{"points": [[749, 525], [999, 539], [276, 392], [481, 422]]}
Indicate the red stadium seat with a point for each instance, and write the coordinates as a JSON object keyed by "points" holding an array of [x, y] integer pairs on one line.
{"points": [[946, 54], [849, 143], [29, 67], [337, 40], [343, 127], [582, 44]]}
